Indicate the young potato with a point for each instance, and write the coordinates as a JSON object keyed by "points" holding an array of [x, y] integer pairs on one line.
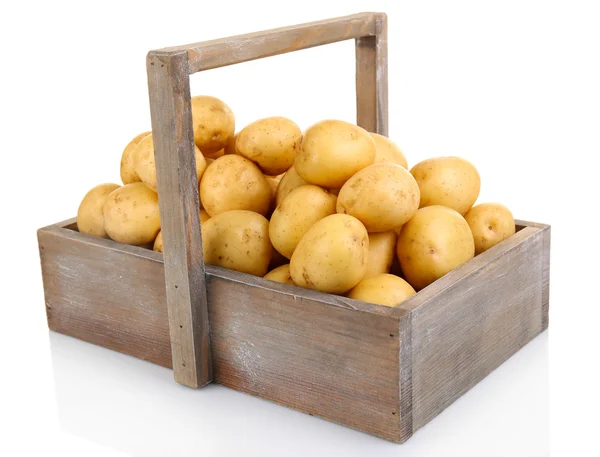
{"points": [[289, 181], [300, 210], [447, 181], [145, 165], [158, 246], [281, 274], [490, 223], [388, 151], [203, 216], [90, 217], [233, 182], [382, 196], [128, 174], [270, 143], [230, 147], [332, 255], [238, 240], [383, 289], [435, 241], [382, 248], [213, 155], [213, 123], [131, 214], [332, 151], [273, 182]]}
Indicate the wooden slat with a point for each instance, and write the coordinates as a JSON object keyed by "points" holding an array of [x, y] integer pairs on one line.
{"points": [[546, 278], [169, 89]]}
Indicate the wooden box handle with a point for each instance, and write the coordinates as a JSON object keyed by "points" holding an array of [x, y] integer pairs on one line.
{"points": [[170, 107]]}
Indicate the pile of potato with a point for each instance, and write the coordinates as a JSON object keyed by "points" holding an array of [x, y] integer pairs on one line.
{"points": [[333, 209]]}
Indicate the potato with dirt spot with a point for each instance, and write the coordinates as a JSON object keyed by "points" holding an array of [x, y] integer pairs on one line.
{"points": [[238, 240], [300, 210], [128, 174], [281, 274], [382, 196], [288, 182], [233, 182], [382, 249], [131, 214], [490, 223], [383, 289], [388, 151], [90, 215], [213, 123], [332, 255]]}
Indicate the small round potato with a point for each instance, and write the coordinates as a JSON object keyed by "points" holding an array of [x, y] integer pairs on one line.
{"points": [[233, 182], [128, 174], [300, 210], [270, 143], [490, 223], [213, 123], [145, 165], [230, 147], [288, 182], [238, 240], [90, 217], [447, 181], [435, 241], [332, 151], [382, 249], [281, 274], [388, 151], [273, 182], [131, 214], [203, 216], [383, 289], [332, 255], [158, 246], [382, 196], [214, 155]]}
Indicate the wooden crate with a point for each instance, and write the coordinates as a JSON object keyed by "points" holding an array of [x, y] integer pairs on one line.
{"points": [[385, 371]]}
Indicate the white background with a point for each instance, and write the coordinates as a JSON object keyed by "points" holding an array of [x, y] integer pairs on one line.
{"points": [[513, 86]]}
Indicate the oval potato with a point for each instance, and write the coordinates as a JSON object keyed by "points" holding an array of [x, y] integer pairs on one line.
{"points": [[281, 274], [90, 215], [382, 249], [213, 123], [158, 245], [128, 174], [388, 151], [490, 223], [383, 289], [288, 182]]}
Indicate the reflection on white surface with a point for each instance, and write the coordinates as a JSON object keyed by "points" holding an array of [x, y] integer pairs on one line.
{"points": [[135, 407]]}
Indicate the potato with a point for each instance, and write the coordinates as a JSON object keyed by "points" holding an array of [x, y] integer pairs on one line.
{"points": [[214, 155], [288, 183], [90, 217], [128, 174], [300, 210], [382, 196], [270, 143], [435, 241], [203, 216], [332, 151], [382, 249], [332, 255], [145, 166], [281, 274], [213, 123], [387, 151], [238, 240], [230, 147], [383, 289], [447, 181], [131, 214], [233, 182], [158, 246], [273, 182], [490, 223]]}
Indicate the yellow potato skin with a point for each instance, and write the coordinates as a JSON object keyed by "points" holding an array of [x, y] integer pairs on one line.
{"points": [[448, 181], [383, 196], [388, 151], [382, 249], [230, 147], [332, 255], [435, 241], [158, 245], [128, 174], [490, 223], [233, 182], [300, 210], [131, 214], [90, 215], [281, 274], [145, 165], [383, 289], [203, 216], [288, 182], [213, 123], [270, 143], [238, 240], [332, 151]]}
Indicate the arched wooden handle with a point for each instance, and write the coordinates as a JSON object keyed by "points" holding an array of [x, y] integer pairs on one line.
{"points": [[170, 107]]}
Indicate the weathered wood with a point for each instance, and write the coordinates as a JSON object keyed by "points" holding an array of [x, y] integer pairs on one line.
{"points": [[372, 79], [169, 89], [546, 277]]}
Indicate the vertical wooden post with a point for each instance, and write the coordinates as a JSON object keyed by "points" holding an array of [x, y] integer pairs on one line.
{"points": [[372, 79], [170, 107]]}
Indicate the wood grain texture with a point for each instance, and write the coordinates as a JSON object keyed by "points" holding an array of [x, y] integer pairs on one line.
{"points": [[169, 89], [546, 277]]}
